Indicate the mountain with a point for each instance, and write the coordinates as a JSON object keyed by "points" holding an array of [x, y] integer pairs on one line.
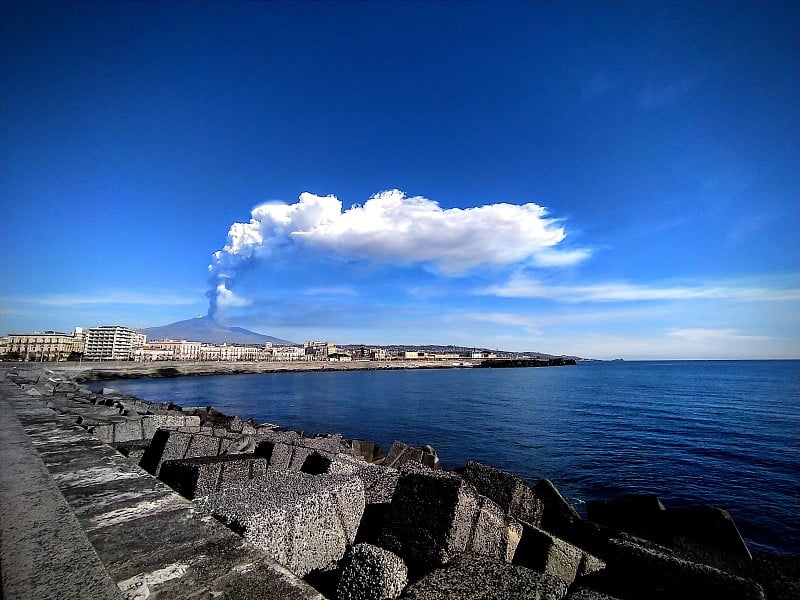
{"points": [[203, 329]]}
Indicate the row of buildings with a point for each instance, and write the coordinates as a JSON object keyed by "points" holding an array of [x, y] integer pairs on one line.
{"points": [[108, 342], [113, 342]]}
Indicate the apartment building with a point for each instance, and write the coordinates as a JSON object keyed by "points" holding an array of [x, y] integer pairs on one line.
{"points": [[112, 342], [319, 350]]}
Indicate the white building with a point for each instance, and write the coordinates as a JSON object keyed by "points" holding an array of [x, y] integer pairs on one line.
{"points": [[47, 346], [112, 342], [172, 350], [287, 353]]}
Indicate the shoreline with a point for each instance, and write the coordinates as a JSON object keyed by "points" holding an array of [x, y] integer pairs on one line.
{"points": [[105, 371]]}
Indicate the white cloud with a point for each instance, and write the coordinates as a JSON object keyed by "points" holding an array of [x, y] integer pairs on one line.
{"points": [[390, 227], [524, 287]]}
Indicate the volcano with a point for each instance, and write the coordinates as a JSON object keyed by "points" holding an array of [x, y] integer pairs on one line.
{"points": [[204, 329]]}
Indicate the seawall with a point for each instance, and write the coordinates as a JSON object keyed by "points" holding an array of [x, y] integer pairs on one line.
{"points": [[89, 508]]}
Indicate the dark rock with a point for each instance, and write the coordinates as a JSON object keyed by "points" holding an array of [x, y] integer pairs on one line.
{"points": [[557, 513], [507, 490], [637, 571], [701, 534], [475, 577], [778, 575], [193, 477], [373, 522], [372, 573], [436, 515], [543, 552], [638, 514], [704, 525]]}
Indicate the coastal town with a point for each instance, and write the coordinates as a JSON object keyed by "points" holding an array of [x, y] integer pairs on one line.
{"points": [[119, 343]]}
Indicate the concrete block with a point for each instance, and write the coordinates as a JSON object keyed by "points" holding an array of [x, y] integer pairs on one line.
{"points": [[148, 427], [585, 593], [129, 430], [401, 453], [174, 445], [193, 477], [134, 449], [282, 456], [369, 451], [174, 420], [436, 515], [543, 552], [507, 490], [476, 577], [243, 444], [379, 481], [372, 573], [305, 522], [234, 424]]}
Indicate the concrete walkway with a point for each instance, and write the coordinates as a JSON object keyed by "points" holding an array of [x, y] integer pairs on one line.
{"points": [[44, 552], [78, 520]]}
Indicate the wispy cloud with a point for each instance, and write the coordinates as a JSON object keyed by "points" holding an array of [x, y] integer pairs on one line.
{"points": [[716, 336], [597, 86], [524, 287], [104, 298], [560, 258], [331, 291], [659, 97]]}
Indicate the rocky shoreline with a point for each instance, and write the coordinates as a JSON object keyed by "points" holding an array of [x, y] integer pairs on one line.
{"points": [[342, 519]]}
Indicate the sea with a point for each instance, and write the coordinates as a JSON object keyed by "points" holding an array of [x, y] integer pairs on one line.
{"points": [[720, 433]]}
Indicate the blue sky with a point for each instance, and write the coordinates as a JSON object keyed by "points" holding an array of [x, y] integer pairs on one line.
{"points": [[600, 179]]}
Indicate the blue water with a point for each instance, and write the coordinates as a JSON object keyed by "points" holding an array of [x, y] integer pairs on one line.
{"points": [[725, 433]]}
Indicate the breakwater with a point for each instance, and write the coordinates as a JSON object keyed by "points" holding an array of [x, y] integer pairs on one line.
{"points": [[362, 521]]}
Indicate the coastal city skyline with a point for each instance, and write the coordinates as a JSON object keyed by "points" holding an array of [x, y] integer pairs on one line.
{"points": [[604, 181]]}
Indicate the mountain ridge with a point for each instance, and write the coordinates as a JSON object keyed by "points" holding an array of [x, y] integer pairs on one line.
{"points": [[209, 331]]}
